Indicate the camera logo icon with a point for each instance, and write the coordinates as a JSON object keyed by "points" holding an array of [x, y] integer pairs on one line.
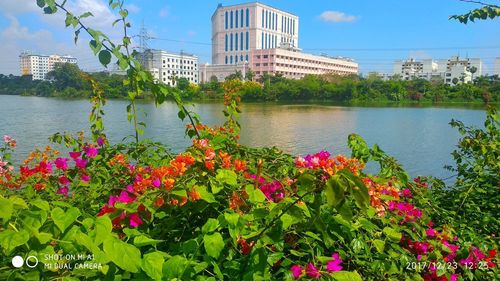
{"points": [[18, 261]]}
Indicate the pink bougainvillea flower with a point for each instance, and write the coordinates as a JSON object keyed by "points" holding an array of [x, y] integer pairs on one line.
{"points": [[312, 271], [406, 193], [64, 180], [10, 141], [135, 220], [106, 210], [81, 163], [91, 152], [61, 163], [430, 232], [273, 191], [85, 177], [63, 191], [156, 183], [130, 188], [296, 271], [454, 277], [124, 197], [100, 141], [334, 264], [75, 155], [112, 200]]}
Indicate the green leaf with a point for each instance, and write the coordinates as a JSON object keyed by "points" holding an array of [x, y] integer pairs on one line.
{"points": [[334, 192], [64, 219], [44, 237], [210, 226], [143, 240], [392, 234], [105, 57], [40, 3], [204, 194], [41, 204], [103, 229], [152, 264], [214, 244], [306, 181], [359, 190], [288, 220], [255, 195], [10, 239], [18, 202], [174, 267], [379, 245], [124, 255], [6, 209], [227, 177], [346, 276]]}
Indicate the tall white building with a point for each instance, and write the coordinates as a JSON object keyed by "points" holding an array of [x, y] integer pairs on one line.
{"points": [[265, 39], [167, 67], [39, 65], [464, 70], [496, 67]]}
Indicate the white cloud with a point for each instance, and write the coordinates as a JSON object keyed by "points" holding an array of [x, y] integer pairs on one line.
{"points": [[133, 8], [335, 17], [19, 6], [165, 12]]}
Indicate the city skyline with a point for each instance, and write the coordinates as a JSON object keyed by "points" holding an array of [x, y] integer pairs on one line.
{"points": [[364, 30]]}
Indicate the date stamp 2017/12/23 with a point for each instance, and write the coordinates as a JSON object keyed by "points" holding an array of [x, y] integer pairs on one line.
{"points": [[419, 266]]}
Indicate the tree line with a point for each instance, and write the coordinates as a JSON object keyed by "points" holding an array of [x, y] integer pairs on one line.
{"points": [[67, 80]]}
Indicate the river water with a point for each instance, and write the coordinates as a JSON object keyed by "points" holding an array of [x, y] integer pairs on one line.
{"points": [[420, 138]]}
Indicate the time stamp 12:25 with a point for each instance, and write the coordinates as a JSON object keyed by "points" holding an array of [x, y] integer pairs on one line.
{"points": [[418, 266]]}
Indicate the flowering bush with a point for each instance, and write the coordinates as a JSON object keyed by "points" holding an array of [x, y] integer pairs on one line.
{"points": [[220, 210]]}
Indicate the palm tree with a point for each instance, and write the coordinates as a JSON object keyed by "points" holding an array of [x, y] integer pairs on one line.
{"points": [[473, 70]]}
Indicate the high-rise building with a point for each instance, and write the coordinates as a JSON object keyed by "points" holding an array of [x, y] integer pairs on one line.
{"points": [[168, 67], [265, 39], [39, 65]]}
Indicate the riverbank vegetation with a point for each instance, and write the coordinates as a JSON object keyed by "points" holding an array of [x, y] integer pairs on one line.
{"points": [[68, 81], [223, 211]]}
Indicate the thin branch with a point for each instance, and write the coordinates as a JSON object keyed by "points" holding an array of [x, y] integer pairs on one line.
{"points": [[480, 3]]}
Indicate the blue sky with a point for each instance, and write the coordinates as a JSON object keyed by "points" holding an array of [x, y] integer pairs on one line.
{"points": [[374, 33]]}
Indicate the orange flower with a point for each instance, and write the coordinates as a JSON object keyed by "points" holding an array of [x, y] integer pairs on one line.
{"points": [[236, 202], [209, 154], [168, 183], [159, 202], [209, 165], [194, 195], [240, 165], [39, 186], [174, 202]]}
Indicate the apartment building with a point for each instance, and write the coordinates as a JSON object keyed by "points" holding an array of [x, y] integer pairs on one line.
{"points": [[167, 67], [454, 70], [39, 65]]}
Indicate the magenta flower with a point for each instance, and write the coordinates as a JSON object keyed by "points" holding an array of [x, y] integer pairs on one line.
{"points": [[63, 191], [85, 177], [75, 155], [273, 191], [125, 198], [100, 141], [312, 271], [112, 200], [130, 188], [406, 192], [296, 271], [454, 277], [334, 264], [430, 232], [135, 220], [91, 152], [81, 163], [61, 163], [156, 183], [64, 180]]}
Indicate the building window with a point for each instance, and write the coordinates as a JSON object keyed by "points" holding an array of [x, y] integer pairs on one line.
{"points": [[231, 60], [231, 42], [231, 19], [236, 42], [226, 59], [236, 59], [226, 43], [241, 16], [241, 41], [248, 17], [226, 18], [246, 42], [246, 57], [236, 21], [293, 27], [265, 41], [263, 13], [267, 19], [272, 25], [262, 40]]}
